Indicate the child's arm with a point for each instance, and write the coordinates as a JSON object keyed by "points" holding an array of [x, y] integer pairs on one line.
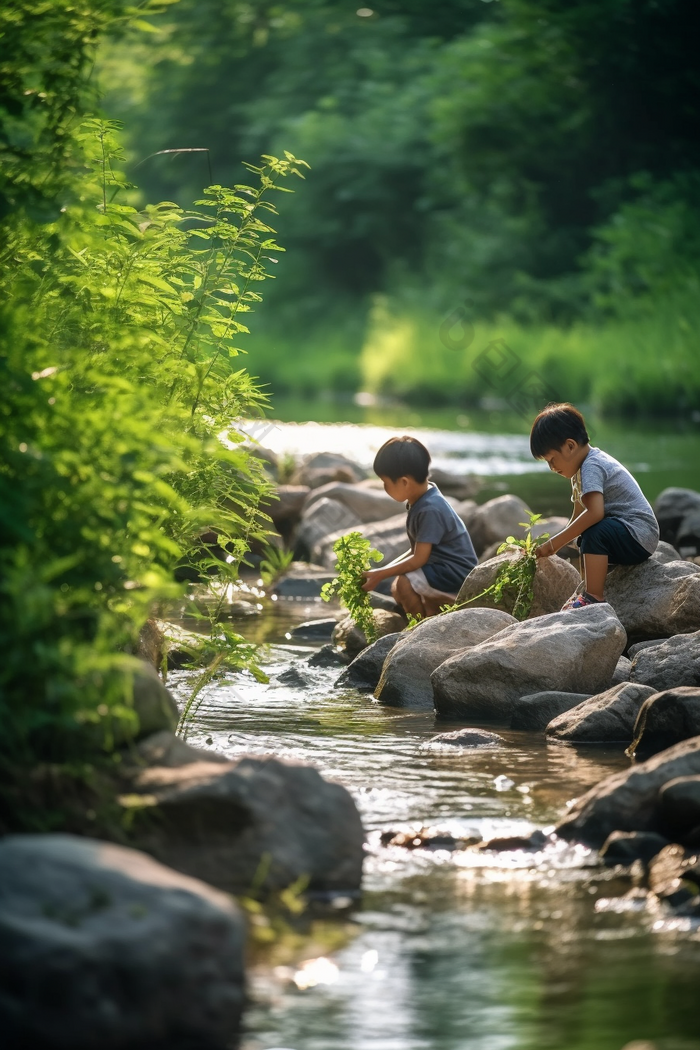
{"points": [[592, 512], [405, 563]]}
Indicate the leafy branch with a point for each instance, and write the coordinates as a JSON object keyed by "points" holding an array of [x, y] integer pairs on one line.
{"points": [[354, 557]]}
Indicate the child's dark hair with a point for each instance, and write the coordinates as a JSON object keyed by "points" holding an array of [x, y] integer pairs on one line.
{"points": [[555, 425], [402, 457]]}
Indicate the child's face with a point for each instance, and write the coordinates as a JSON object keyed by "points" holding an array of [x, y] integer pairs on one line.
{"points": [[565, 460], [399, 489]]}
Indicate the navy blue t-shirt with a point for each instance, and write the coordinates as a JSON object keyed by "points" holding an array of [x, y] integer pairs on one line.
{"points": [[431, 519]]}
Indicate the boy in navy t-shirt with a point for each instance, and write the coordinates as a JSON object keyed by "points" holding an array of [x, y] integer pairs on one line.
{"points": [[431, 573]]}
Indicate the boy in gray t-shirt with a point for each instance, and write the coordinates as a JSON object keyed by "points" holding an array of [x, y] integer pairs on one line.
{"points": [[611, 515], [430, 574]]}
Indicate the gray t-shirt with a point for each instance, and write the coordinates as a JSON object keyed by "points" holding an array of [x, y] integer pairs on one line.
{"points": [[622, 496], [431, 519]]}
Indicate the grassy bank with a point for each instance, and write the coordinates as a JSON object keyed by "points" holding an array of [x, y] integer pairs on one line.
{"points": [[646, 365]]}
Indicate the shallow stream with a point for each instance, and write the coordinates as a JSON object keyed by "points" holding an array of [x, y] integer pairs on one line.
{"points": [[464, 950], [451, 951]]}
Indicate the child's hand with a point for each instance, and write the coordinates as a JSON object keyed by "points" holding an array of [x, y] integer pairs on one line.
{"points": [[545, 550], [371, 579]]}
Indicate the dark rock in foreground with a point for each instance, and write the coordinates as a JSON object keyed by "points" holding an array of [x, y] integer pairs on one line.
{"points": [[253, 821], [630, 800], [536, 711], [680, 804], [100, 946], [666, 718]]}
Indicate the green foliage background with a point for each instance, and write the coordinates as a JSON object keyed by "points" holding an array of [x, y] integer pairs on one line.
{"points": [[538, 158], [119, 372]]}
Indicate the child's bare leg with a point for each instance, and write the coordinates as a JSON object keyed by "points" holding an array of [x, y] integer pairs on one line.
{"points": [[595, 569], [433, 605], [403, 593]]}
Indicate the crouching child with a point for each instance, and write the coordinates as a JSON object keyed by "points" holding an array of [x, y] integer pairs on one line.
{"points": [[612, 517], [441, 554]]}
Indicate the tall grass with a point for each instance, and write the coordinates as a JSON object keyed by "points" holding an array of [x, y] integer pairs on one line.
{"points": [[643, 364]]}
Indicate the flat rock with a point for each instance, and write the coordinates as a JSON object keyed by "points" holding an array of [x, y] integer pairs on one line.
{"points": [[574, 651], [254, 821], [315, 630], [629, 800], [353, 640], [625, 847], [671, 507], [302, 580], [608, 718], [555, 581], [673, 663], [101, 946], [405, 679], [367, 504], [680, 805], [323, 519], [655, 600], [666, 718], [536, 711], [365, 670], [388, 537], [496, 519], [466, 739]]}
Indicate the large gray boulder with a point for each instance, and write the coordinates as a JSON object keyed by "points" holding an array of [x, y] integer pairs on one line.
{"points": [[665, 552], [534, 713], [630, 800], [388, 537], [672, 663], [366, 669], [671, 507], [666, 718], [366, 503], [574, 651], [405, 678], [655, 600], [608, 718], [497, 519], [323, 519], [352, 639], [101, 946], [254, 821], [555, 581]]}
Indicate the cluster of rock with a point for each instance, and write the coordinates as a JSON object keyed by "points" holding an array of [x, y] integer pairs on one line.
{"points": [[142, 946]]}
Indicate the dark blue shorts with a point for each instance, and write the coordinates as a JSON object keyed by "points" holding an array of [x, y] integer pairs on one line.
{"points": [[610, 536], [445, 578]]}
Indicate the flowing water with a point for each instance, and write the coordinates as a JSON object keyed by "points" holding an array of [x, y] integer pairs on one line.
{"points": [[464, 950]]}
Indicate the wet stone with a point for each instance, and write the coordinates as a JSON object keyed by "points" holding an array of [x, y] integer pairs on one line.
{"points": [[465, 738], [327, 656], [428, 838], [314, 629], [508, 843], [293, 677]]}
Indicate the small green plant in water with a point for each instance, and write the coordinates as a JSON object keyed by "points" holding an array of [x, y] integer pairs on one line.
{"points": [[515, 578], [354, 557]]}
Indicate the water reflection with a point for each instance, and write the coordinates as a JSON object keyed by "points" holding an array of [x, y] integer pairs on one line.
{"points": [[455, 951]]}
